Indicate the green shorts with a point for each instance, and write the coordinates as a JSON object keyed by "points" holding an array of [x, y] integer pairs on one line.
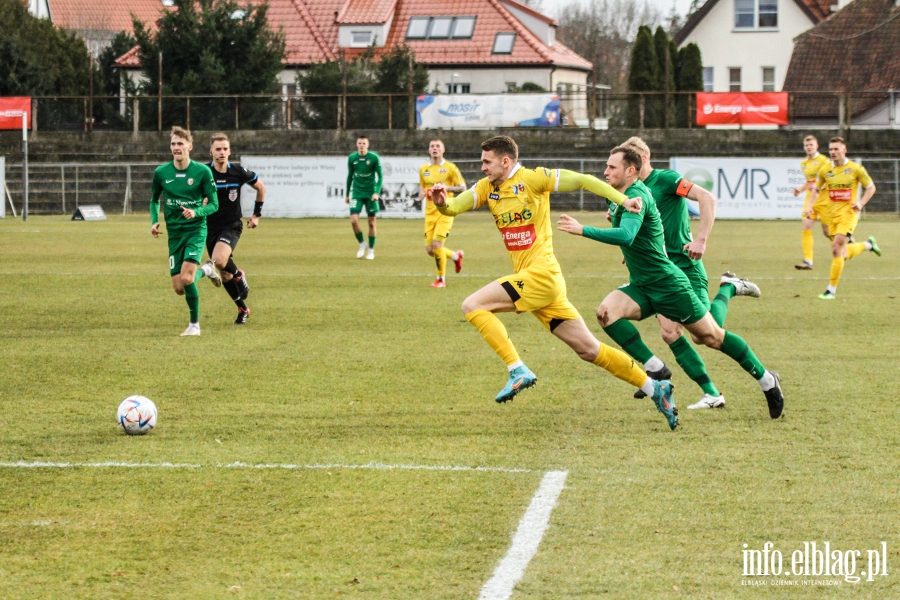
{"points": [[187, 247], [673, 298], [357, 204], [696, 274]]}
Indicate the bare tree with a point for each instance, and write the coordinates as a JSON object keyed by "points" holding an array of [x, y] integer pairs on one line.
{"points": [[603, 32]]}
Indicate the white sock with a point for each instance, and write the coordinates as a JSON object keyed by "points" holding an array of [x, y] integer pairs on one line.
{"points": [[766, 382], [207, 269], [363, 245], [455, 255], [868, 245], [654, 364], [648, 388], [515, 366], [832, 289]]}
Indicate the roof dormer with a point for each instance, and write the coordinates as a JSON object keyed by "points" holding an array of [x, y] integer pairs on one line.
{"points": [[542, 26], [364, 23]]}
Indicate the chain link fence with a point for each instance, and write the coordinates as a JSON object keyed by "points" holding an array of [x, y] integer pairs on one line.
{"points": [[123, 188]]}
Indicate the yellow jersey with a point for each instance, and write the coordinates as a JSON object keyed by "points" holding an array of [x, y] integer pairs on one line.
{"points": [[841, 182], [429, 174], [521, 209], [811, 168]]}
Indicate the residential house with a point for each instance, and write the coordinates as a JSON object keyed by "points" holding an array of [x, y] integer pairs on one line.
{"points": [[847, 68], [746, 45]]}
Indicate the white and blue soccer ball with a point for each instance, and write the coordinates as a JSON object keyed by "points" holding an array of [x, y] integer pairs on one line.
{"points": [[136, 415]]}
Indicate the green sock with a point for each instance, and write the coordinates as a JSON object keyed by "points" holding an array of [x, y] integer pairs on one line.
{"points": [[371, 241], [198, 275], [359, 236], [719, 307], [737, 348], [690, 362], [192, 295], [627, 336]]}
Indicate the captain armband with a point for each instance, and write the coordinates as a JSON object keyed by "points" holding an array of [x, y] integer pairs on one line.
{"points": [[684, 188]]}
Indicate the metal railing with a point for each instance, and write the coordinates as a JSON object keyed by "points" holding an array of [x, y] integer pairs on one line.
{"points": [[599, 109], [122, 188]]}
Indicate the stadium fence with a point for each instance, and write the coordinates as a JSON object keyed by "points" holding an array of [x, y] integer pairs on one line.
{"points": [[124, 188]]}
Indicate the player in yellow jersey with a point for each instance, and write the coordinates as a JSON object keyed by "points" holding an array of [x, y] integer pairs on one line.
{"points": [[811, 166], [841, 179], [437, 226], [519, 200]]}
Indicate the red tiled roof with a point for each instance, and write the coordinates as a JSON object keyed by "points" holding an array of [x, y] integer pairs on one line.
{"points": [[816, 10], [849, 52], [527, 9], [109, 15], [311, 33], [129, 59], [357, 12]]}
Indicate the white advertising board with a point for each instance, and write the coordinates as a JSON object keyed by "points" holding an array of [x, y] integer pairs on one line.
{"points": [[470, 111], [747, 188], [313, 186]]}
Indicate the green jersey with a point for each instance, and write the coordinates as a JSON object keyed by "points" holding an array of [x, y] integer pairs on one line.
{"points": [[188, 189], [671, 202], [364, 176], [646, 256]]}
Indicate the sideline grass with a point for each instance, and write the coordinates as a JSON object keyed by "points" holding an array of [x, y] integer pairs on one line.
{"points": [[347, 361]]}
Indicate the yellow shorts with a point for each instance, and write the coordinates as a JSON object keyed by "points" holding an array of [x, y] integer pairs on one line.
{"points": [[820, 211], [542, 292], [843, 220], [437, 228]]}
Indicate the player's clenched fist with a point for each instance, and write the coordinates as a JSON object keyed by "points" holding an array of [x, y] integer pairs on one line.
{"points": [[438, 194]]}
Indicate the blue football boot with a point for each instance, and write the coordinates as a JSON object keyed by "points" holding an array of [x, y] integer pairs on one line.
{"points": [[662, 397], [520, 378]]}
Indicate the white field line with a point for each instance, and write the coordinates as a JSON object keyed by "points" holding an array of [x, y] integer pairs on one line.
{"points": [[526, 539], [239, 465]]}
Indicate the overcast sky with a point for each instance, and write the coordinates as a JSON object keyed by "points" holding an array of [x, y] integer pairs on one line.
{"points": [[551, 7]]}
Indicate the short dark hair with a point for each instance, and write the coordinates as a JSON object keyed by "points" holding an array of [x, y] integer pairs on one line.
{"points": [[362, 136], [838, 140], [218, 137], [502, 145], [811, 137], [629, 156]]}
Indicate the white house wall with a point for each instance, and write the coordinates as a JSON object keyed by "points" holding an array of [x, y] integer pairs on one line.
{"points": [[723, 47]]}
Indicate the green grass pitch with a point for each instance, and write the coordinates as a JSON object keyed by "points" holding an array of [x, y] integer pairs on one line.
{"points": [[348, 362]]}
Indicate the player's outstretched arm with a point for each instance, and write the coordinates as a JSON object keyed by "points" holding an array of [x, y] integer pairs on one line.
{"points": [[569, 181], [451, 206], [623, 235]]}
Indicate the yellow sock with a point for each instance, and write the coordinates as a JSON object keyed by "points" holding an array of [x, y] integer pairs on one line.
{"points": [[440, 259], [837, 267], [807, 245], [494, 333], [620, 365], [855, 249]]}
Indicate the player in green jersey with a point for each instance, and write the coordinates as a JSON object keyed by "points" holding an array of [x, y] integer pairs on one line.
{"points": [[656, 285], [670, 192], [183, 185], [364, 180]]}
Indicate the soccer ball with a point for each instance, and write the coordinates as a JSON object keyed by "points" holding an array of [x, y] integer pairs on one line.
{"points": [[136, 415]]}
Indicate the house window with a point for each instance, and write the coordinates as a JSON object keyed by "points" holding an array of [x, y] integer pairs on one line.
{"points": [[458, 88], [360, 39], [734, 79], [440, 28], [768, 76], [755, 14], [418, 28], [707, 79], [503, 43]]}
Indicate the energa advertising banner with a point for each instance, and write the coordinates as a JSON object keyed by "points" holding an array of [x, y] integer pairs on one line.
{"points": [[469, 111], [314, 186], [742, 108], [747, 188]]}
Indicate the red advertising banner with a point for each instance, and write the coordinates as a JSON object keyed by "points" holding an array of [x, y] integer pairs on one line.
{"points": [[739, 108], [10, 111]]}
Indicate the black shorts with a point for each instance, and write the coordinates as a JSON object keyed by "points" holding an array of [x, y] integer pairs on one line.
{"points": [[229, 234]]}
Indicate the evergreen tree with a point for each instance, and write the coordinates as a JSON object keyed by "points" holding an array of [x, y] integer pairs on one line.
{"points": [[643, 76], [666, 110], [37, 58], [690, 79], [213, 47]]}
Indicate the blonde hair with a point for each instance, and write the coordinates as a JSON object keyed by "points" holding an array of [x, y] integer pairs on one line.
{"points": [[810, 137], [183, 134], [218, 137], [638, 145]]}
